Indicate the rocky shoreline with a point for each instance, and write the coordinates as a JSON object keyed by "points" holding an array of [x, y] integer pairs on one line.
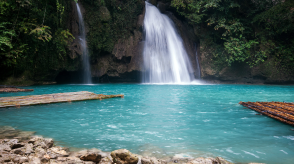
{"points": [[23, 147]]}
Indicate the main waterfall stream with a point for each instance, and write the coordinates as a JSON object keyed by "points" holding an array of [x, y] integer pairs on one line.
{"points": [[83, 42], [165, 58]]}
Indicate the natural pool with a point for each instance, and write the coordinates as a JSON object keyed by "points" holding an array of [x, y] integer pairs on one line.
{"points": [[196, 120]]}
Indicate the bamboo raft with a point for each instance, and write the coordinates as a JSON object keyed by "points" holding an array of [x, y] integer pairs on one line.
{"points": [[283, 112], [12, 89], [52, 98]]}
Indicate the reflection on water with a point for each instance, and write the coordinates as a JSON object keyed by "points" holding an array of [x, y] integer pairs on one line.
{"points": [[164, 120]]}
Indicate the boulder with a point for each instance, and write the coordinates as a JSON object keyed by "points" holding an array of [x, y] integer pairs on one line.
{"points": [[124, 156], [93, 155]]}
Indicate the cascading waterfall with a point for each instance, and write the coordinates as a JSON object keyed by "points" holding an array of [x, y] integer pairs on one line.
{"points": [[165, 58], [85, 57]]}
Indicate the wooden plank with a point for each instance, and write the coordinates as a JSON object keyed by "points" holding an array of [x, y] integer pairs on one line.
{"points": [[52, 98], [281, 111]]}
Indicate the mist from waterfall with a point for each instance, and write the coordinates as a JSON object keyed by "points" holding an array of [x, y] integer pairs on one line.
{"points": [[165, 58], [85, 57]]}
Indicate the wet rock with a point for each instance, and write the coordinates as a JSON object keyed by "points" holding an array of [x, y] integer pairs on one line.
{"points": [[24, 135], [124, 156]]}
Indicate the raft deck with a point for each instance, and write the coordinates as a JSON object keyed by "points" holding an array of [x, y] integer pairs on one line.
{"points": [[52, 98], [283, 112]]}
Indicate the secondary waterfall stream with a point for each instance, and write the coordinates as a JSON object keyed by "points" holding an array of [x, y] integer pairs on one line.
{"points": [[85, 57], [165, 58]]}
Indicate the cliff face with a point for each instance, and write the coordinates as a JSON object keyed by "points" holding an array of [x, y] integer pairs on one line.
{"points": [[114, 38], [120, 59]]}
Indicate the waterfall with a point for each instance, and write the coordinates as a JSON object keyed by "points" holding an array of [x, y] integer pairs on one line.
{"points": [[165, 58], [198, 75], [85, 57]]}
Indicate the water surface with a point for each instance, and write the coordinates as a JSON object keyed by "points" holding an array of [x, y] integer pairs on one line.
{"points": [[195, 120]]}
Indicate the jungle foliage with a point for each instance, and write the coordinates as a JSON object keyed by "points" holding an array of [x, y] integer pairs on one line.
{"points": [[33, 35], [251, 31]]}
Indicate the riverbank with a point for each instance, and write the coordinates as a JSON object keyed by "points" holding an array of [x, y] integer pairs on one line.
{"points": [[23, 147]]}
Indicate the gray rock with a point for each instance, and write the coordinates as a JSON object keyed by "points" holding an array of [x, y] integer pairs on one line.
{"points": [[23, 159], [57, 151], [7, 157], [28, 149], [39, 152], [4, 147], [35, 160]]}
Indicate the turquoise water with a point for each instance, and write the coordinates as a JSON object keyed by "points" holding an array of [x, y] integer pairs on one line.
{"points": [[196, 120]]}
